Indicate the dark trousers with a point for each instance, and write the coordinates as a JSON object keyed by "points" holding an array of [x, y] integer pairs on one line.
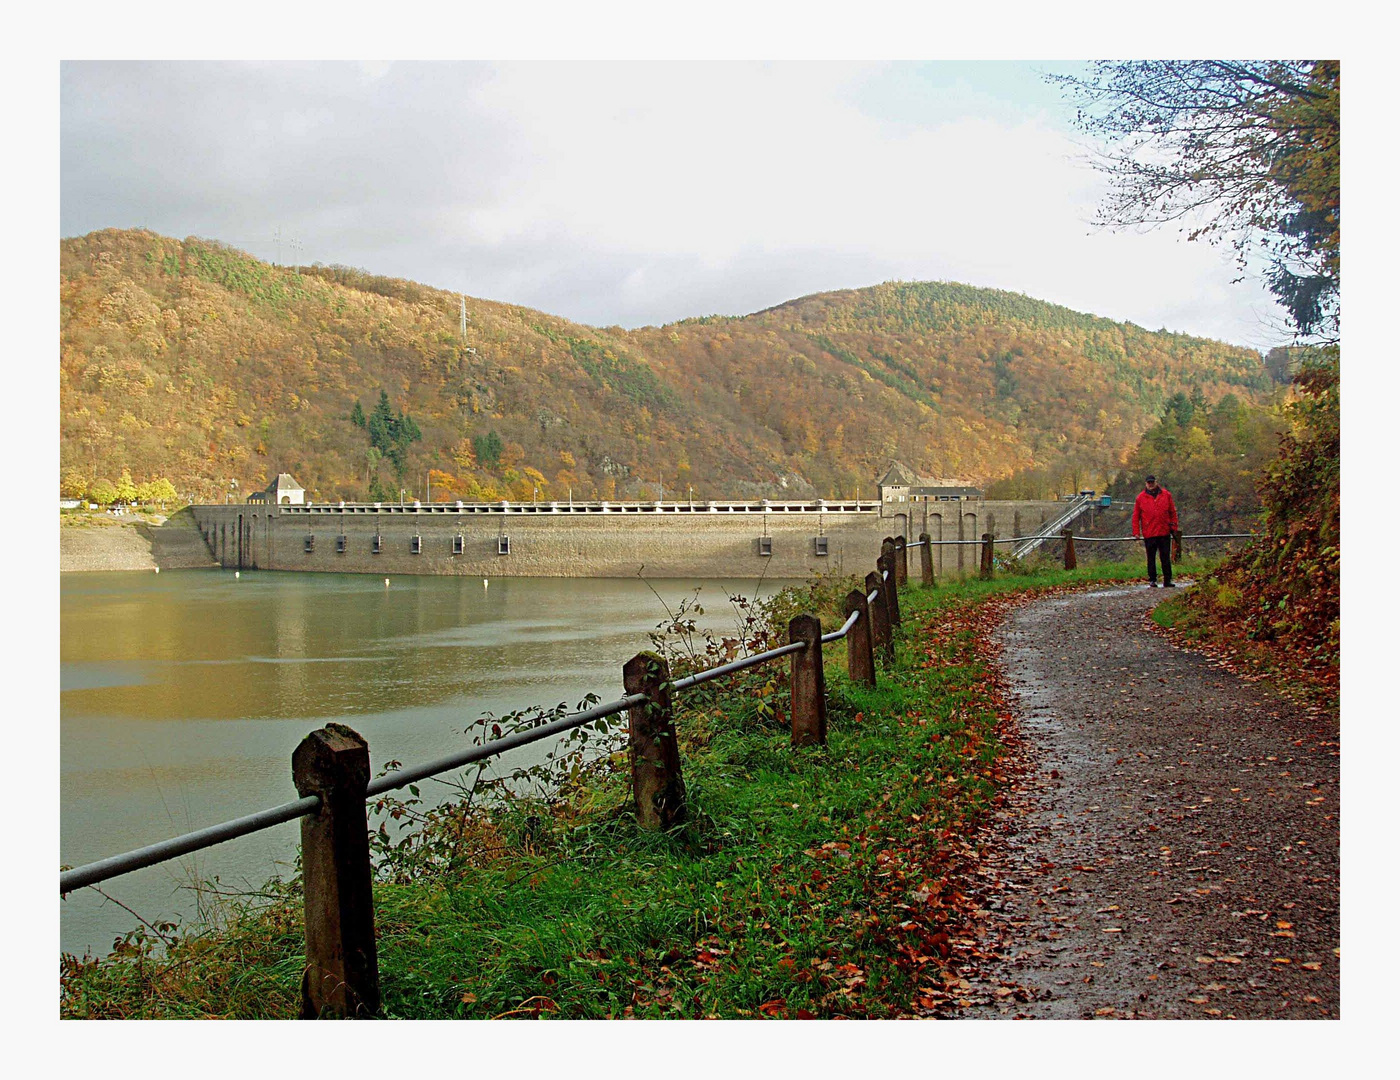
{"points": [[1159, 545]]}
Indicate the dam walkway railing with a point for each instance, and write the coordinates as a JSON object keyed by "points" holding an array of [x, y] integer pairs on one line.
{"points": [[331, 772], [572, 506]]}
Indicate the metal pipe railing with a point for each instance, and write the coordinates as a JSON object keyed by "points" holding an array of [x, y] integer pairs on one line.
{"points": [[836, 635], [125, 863], [1094, 539], [403, 777], [737, 665], [140, 858]]}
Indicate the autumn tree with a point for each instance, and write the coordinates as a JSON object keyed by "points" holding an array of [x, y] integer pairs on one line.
{"points": [[73, 484], [103, 492], [125, 488], [1245, 153], [158, 492]]}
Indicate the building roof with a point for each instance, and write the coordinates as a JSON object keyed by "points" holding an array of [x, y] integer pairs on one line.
{"points": [[284, 482], [898, 475], [949, 490]]}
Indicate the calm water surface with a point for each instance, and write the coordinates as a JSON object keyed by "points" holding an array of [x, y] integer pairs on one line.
{"points": [[183, 695]]}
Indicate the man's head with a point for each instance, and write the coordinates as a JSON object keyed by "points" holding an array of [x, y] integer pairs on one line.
{"points": [[1151, 483]]}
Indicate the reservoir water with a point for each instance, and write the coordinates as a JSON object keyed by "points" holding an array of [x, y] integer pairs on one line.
{"points": [[183, 694]]}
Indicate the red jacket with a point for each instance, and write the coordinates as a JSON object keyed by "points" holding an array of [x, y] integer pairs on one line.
{"points": [[1154, 515]]}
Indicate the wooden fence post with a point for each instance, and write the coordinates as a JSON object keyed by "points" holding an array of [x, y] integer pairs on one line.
{"points": [[901, 561], [891, 594], [658, 791], [926, 560], [860, 654], [1071, 563], [987, 556], [342, 963], [880, 636], [808, 683]]}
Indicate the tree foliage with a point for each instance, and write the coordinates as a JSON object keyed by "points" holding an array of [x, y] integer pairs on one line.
{"points": [[1211, 458], [1242, 152], [103, 492], [487, 449], [390, 433]]}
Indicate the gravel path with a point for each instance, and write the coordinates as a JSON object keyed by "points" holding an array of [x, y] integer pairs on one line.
{"points": [[1170, 848]]}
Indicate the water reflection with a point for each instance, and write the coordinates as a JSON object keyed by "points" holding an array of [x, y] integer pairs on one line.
{"points": [[183, 695]]}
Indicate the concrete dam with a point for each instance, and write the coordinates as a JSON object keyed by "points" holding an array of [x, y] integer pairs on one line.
{"points": [[603, 539]]}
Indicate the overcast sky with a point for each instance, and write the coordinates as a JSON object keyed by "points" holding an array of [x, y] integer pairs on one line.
{"points": [[633, 194]]}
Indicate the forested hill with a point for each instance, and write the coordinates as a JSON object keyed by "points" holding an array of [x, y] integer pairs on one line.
{"points": [[191, 360]]}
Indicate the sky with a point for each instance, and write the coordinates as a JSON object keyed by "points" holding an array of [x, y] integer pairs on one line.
{"points": [[633, 193]]}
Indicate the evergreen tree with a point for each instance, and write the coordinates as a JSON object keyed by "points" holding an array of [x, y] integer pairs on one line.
{"points": [[392, 433]]}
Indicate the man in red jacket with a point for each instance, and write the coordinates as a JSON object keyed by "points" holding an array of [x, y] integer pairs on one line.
{"points": [[1154, 519]]}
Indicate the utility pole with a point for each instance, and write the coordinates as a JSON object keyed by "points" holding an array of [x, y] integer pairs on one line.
{"points": [[464, 316]]}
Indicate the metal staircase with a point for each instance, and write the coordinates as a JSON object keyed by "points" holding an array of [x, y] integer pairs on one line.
{"points": [[1051, 529]]}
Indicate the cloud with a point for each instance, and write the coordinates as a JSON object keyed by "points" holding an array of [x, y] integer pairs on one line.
{"points": [[627, 193]]}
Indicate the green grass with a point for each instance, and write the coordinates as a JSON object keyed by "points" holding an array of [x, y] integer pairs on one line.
{"points": [[786, 892]]}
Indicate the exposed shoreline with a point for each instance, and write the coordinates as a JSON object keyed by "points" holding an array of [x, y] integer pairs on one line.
{"points": [[174, 544]]}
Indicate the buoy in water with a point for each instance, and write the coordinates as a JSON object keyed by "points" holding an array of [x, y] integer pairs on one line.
{"points": [[235, 573], [386, 583], [485, 584], [157, 569]]}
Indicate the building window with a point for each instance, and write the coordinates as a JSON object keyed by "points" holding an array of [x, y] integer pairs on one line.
{"points": [[340, 545], [765, 545], [378, 545], [459, 544], [821, 544], [309, 544], [415, 544], [503, 545]]}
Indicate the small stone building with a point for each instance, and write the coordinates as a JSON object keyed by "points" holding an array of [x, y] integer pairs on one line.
{"points": [[901, 485], [284, 491]]}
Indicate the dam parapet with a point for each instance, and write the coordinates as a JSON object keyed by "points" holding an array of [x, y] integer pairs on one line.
{"points": [[682, 538]]}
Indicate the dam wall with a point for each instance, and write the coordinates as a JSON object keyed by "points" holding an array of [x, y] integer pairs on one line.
{"points": [[739, 539]]}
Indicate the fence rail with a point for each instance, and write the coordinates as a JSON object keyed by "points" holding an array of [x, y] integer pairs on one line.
{"points": [[331, 771]]}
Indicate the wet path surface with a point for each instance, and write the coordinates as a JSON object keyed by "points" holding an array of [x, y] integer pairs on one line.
{"points": [[1171, 846]]}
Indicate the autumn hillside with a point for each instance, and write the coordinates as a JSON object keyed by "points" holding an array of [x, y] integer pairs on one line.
{"points": [[190, 360]]}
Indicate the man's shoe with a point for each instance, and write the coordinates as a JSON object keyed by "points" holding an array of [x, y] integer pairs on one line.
{"points": [[1151, 584], [1169, 585]]}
